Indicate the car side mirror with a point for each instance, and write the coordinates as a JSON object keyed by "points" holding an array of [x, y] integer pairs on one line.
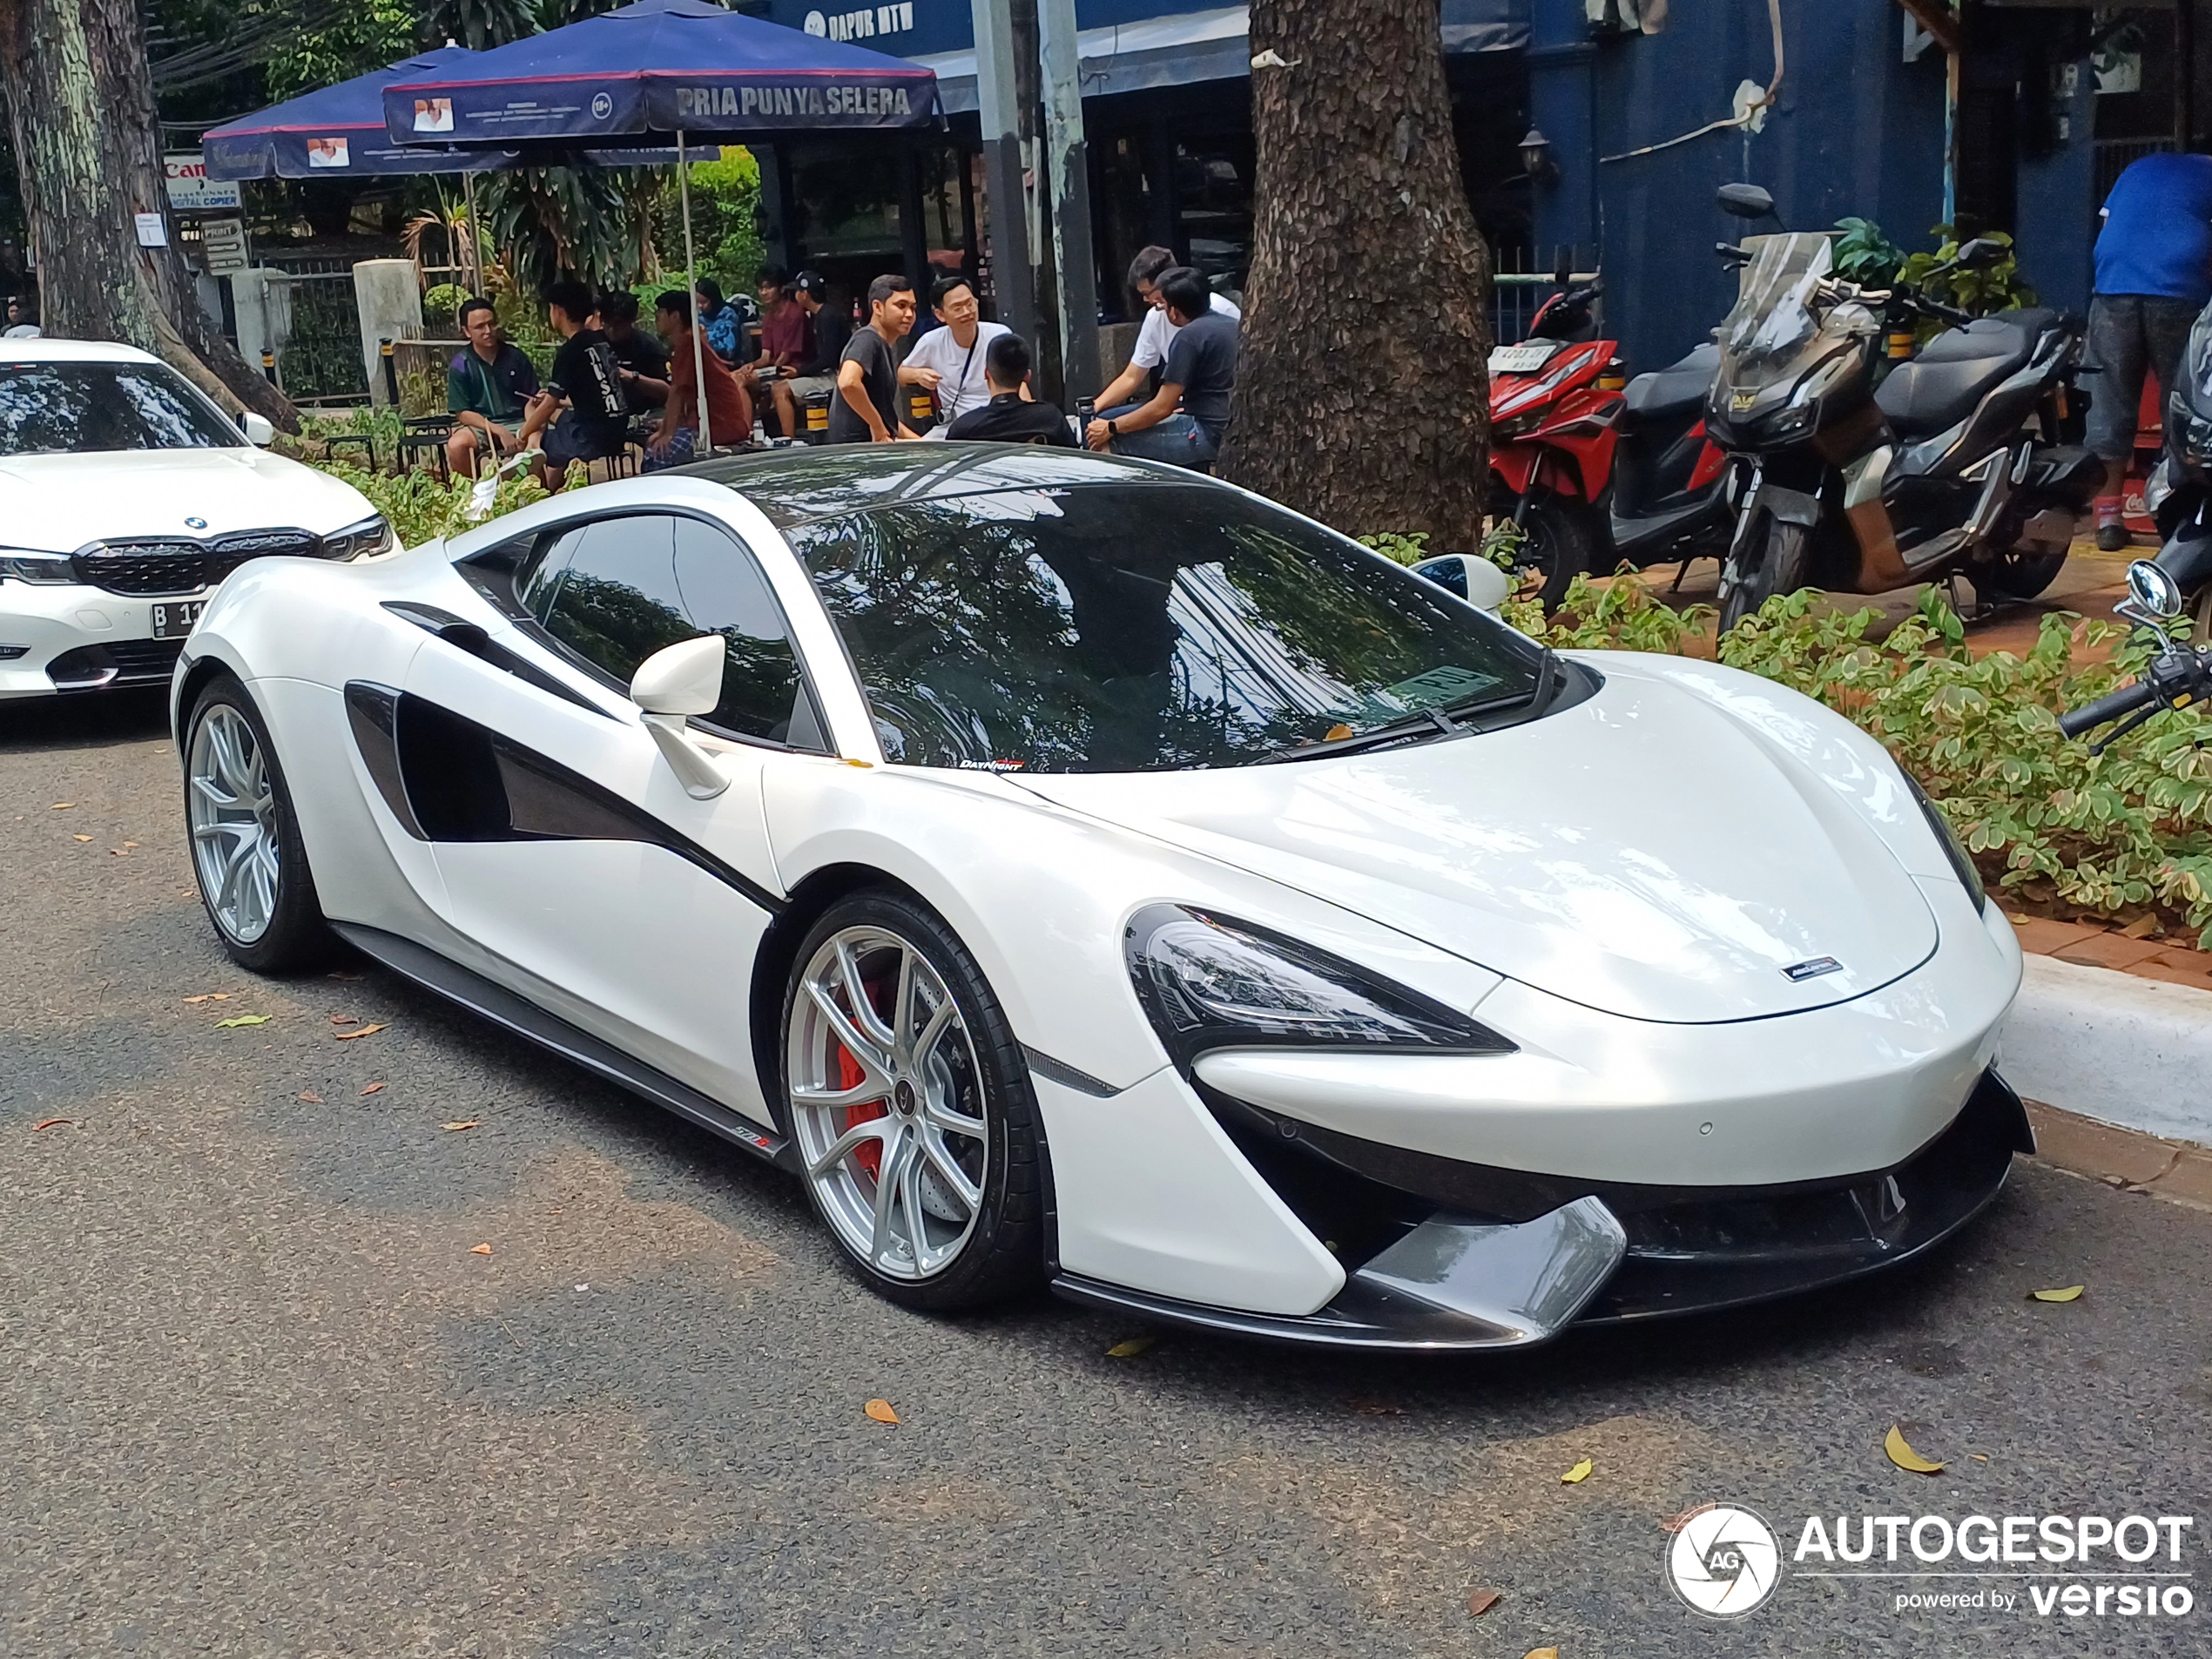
{"points": [[258, 428], [1482, 583], [669, 687], [1980, 254], [1745, 201]]}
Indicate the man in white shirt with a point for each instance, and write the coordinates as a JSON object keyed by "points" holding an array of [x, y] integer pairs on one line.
{"points": [[1157, 331], [950, 360]]}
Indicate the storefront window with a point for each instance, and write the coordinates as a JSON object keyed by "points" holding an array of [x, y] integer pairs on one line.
{"points": [[1213, 192]]}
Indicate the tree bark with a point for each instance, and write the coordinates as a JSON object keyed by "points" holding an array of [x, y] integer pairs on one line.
{"points": [[1362, 394], [88, 153]]}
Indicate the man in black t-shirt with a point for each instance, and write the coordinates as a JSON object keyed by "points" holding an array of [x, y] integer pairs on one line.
{"points": [[1185, 422], [1010, 417], [817, 376], [640, 356], [583, 414], [865, 407]]}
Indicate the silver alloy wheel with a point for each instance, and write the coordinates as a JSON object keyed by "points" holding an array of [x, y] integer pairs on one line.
{"points": [[230, 806], [886, 1102]]}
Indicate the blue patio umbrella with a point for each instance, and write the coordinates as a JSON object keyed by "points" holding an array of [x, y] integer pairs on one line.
{"points": [[338, 133], [661, 67]]}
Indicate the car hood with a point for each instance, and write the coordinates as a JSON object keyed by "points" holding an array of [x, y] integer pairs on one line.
{"points": [[57, 503], [1642, 852]]}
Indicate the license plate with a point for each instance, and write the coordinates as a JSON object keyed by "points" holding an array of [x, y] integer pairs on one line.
{"points": [[174, 620], [1525, 358]]}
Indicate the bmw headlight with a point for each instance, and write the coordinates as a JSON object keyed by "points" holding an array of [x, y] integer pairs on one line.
{"points": [[49, 570], [1208, 982], [358, 540], [1961, 860]]}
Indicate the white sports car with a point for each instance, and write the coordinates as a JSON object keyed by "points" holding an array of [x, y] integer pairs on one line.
{"points": [[124, 496], [1079, 870]]}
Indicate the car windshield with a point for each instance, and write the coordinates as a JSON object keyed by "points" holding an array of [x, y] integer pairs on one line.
{"points": [[1138, 628], [72, 408], [1773, 322]]}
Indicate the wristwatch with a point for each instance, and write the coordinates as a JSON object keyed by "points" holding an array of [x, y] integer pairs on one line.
{"points": [[1113, 430]]}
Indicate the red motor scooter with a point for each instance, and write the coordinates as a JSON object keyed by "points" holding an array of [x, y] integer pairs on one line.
{"points": [[1595, 471]]}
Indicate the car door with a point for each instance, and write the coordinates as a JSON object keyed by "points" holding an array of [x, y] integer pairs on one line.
{"points": [[568, 847]]}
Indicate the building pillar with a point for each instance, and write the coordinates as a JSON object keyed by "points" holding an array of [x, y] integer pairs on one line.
{"points": [[1562, 80]]}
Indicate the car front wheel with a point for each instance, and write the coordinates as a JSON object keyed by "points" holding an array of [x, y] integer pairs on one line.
{"points": [[247, 854], [910, 1103]]}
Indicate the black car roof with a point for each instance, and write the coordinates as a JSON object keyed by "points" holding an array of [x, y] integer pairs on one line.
{"points": [[795, 485]]}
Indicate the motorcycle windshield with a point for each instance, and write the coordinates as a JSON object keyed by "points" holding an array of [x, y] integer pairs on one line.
{"points": [[1766, 337]]}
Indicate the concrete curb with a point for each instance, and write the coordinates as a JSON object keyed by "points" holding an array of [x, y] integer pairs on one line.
{"points": [[2113, 1047]]}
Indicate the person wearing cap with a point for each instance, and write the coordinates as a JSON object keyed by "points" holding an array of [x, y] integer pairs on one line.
{"points": [[817, 376]]}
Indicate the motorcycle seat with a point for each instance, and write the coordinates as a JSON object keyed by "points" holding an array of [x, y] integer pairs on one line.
{"points": [[1675, 391], [1940, 387]]}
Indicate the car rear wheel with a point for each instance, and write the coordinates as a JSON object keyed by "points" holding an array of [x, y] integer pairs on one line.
{"points": [[247, 855], [911, 1107]]}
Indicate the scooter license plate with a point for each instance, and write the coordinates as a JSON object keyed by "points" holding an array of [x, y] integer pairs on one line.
{"points": [[1524, 358], [174, 620]]}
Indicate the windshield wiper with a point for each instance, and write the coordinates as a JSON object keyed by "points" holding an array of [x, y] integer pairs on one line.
{"points": [[1448, 720]]}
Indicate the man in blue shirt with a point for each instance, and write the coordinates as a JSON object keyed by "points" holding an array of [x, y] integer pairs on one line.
{"points": [[2154, 275]]}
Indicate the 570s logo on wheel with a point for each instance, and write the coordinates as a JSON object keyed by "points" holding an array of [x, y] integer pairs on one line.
{"points": [[1725, 1561]]}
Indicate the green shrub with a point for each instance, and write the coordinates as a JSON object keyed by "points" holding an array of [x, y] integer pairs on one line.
{"points": [[422, 509], [441, 309]]}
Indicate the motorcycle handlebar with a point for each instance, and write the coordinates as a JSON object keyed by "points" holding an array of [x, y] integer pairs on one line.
{"points": [[2112, 706]]}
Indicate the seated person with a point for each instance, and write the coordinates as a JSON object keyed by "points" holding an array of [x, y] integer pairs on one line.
{"points": [[786, 338], [1187, 418], [583, 414], [817, 376], [729, 413], [723, 327], [950, 360], [643, 359], [488, 386], [1010, 416], [1134, 383]]}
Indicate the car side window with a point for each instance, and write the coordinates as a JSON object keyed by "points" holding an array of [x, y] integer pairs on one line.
{"points": [[537, 569], [724, 591], [614, 600]]}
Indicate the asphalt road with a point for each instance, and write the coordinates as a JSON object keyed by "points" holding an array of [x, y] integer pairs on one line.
{"points": [[259, 1396]]}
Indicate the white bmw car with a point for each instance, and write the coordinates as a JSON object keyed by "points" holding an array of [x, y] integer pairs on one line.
{"points": [[124, 496], [1076, 871]]}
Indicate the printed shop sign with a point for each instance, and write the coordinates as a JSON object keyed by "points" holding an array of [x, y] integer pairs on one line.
{"points": [[191, 190]]}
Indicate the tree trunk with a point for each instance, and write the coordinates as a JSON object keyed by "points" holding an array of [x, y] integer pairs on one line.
{"points": [[88, 153], [1362, 394]]}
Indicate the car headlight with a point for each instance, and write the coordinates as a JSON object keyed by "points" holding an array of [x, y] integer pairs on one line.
{"points": [[357, 541], [1208, 982], [48, 569], [1961, 862]]}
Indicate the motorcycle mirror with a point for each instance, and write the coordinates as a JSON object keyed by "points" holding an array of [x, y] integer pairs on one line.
{"points": [[1745, 201], [2153, 589], [1980, 254]]}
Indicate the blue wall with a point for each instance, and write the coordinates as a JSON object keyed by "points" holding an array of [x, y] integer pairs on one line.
{"points": [[1857, 130]]}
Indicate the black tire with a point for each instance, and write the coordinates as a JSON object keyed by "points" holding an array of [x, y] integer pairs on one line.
{"points": [[1560, 542], [296, 939], [1001, 1255], [1784, 561], [2016, 575]]}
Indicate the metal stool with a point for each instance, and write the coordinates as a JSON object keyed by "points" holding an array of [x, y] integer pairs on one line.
{"points": [[425, 432], [363, 439]]}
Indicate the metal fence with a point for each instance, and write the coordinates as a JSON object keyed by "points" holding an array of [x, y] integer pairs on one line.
{"points": [[320, 358], [2111, 158], [1522, 279]]}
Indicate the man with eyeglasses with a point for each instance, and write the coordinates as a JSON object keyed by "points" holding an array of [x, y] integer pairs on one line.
{"points": [[952, 360]]}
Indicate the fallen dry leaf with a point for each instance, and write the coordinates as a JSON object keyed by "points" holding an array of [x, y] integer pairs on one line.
{"points": [[1677, 1522], [1482, 1601], [1580, 1473], [466, 1123], [1904, 1457], [374, 1088], [1129, 1347], [196, 999], [1365, 1407], [311, 1097], [1543, 1653], [51, 1121], [80, 837], [480, 1250], [241, 1019], [2141, 927], [62, 806], [219, 996], [343, 1019], [881, 1410], [2070, 1293], [129, 844], [1979, 1457], [368, 1030]]}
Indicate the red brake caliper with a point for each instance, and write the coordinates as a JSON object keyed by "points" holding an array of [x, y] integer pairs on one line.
{"points": [[868, 1154]]}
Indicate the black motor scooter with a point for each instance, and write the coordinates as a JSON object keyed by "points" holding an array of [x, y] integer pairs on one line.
{"points": [[2179, 493], [1950, 466]]}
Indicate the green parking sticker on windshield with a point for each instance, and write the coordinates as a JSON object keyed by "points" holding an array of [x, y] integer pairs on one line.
{"points": [[1447, 683]]}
